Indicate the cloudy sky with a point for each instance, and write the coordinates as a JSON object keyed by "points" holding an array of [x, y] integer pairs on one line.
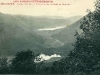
{"points": [[76, 7]]}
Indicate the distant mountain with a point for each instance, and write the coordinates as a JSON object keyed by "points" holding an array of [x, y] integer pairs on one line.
{"points": [[72, 19], [67, 37], [75, 18], [64, 38], [19, 32], [14, 36], [36, 22], [62, 33]]}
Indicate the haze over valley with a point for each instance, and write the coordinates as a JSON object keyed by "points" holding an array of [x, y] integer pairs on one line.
{"points": [[47, 35]]}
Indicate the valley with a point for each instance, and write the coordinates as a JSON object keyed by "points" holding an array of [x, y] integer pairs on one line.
{"points": [[45, 35]]}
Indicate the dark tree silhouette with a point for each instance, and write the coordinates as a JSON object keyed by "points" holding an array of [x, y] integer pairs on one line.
{"points": [[4, 65], [23, 63], [86, 55]]}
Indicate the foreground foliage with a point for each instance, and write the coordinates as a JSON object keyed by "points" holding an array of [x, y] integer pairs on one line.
{"points": [[84, 59]]}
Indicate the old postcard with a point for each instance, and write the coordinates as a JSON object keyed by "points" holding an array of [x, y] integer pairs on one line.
{"points": [[50, 37]]}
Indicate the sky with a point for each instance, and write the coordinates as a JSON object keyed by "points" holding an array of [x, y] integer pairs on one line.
{"points": [[76, 7]]}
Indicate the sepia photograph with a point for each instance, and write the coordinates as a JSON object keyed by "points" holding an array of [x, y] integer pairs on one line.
{"points": [[50, 37]]}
